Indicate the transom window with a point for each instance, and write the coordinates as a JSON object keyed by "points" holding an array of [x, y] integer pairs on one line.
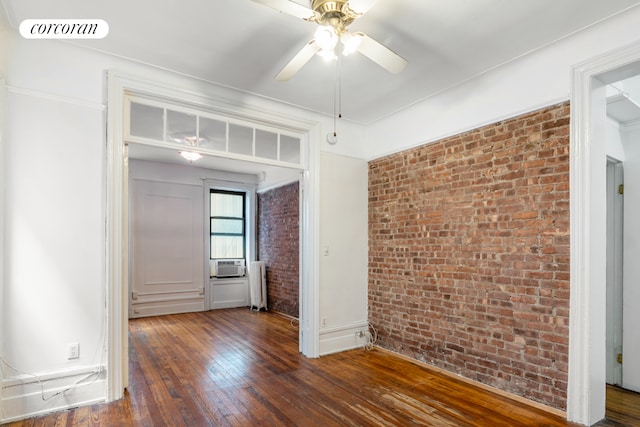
{"points": [[228, 229], [153, 122]]}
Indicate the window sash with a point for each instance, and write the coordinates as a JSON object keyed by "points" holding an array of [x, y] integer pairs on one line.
{"points": [[227, 224]]}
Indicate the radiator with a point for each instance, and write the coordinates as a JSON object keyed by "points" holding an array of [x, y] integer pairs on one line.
{"points": [[258, 285]]}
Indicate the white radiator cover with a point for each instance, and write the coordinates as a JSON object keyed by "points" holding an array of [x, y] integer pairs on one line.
{"points": [[258, 285]]}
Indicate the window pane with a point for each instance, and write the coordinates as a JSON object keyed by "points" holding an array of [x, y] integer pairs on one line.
{"points": [[213, 134], [181, 128], [289, 149], [146, 121], [240, 139], [228, 205], [226, 247], [266, 144], [226, 226]]}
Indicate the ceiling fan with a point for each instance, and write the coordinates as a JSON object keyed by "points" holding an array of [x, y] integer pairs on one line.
{"points": [[333, 17]]}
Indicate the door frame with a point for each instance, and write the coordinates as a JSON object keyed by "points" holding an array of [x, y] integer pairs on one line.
{"points": [[586, 391], [227, 101]]}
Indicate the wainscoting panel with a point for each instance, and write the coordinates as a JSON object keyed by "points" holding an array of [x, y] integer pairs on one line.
{"points": [[167, 248]]}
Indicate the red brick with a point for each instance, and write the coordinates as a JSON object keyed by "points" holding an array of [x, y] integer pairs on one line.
{"points": [[469, 253], [278, 228]]}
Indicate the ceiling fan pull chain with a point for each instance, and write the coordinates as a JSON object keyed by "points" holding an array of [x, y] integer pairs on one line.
{"points": [[335, 98], [339, 86]]}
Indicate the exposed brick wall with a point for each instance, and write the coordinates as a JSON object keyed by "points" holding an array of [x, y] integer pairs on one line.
{"points": [[278, 238], [469, 254]]}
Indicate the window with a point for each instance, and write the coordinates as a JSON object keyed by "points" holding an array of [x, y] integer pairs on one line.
{"points": [[153, 121], [228, 228]]}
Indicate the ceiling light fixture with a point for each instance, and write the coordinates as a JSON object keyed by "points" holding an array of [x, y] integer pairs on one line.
{"points": [[350, 42], [326, 38], [191, 156]]}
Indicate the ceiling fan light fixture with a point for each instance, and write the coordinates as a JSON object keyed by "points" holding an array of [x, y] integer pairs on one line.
{"points": [[350, 43], [326, 38], [191, 156], [327, 55]]}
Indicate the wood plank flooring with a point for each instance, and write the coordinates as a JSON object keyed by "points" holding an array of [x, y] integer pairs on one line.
{"points": [[623, 408], [240, 368]]}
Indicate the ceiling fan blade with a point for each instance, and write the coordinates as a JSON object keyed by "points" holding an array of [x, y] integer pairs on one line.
{"points": [[288, 7], [298, 61], [361, 6], [380, 54]]}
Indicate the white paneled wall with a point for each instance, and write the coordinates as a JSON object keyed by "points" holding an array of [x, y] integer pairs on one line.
{"points": [[167, 248]]}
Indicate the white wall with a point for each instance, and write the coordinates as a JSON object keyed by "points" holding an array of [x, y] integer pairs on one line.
{"points": [[614, 146], [53, 252], [343, 257], [3, 125], [54, 241], [533, 81]]}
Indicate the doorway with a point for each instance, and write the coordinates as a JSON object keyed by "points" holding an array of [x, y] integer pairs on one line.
{"points": [[623, 233], [119, 87], [586, 397]]}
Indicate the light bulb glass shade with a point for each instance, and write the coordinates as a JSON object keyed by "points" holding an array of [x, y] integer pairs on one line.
{"points": [[326, 38], [327, 55], [190, 155], [350, 42]]}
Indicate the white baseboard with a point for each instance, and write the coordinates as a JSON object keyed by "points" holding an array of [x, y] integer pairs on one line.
{"points": [[26, 397], [342, 338], [161, 308]]}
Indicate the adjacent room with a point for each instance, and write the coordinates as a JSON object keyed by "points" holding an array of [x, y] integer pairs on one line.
{"points": [[444, 184]]}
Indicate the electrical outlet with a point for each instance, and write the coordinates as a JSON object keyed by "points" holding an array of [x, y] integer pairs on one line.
{"points": [[323, 322], [73, 350]]}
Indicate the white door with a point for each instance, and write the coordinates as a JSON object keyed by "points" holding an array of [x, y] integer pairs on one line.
{"points": [[167, 248], [631, 270], [614, 272]]}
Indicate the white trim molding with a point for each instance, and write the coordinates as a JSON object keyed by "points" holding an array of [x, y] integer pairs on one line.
{"points": [[342, 338], [3, 124], [29, 396], [587, 374]]}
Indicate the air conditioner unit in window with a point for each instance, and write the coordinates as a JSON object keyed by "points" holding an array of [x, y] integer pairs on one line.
{"points": [[229, 267]]}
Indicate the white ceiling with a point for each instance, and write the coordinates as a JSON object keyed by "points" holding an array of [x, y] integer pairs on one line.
{"points": [[243, 44]]}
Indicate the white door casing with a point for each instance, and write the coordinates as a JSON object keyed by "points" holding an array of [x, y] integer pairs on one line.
{"points": [[587, 332]]}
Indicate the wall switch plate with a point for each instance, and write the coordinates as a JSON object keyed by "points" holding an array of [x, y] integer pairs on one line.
{"points": [[73, 350]]}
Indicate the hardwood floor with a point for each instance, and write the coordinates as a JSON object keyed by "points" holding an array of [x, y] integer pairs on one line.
{"points": [[623, 408], [239, 368]]}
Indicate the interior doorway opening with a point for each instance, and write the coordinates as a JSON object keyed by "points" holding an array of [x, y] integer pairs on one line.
{"points": [[586, 397], [117, 250]]}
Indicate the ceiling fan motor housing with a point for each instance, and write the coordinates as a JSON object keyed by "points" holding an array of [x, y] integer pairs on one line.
{"points": [[335, 13]]}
